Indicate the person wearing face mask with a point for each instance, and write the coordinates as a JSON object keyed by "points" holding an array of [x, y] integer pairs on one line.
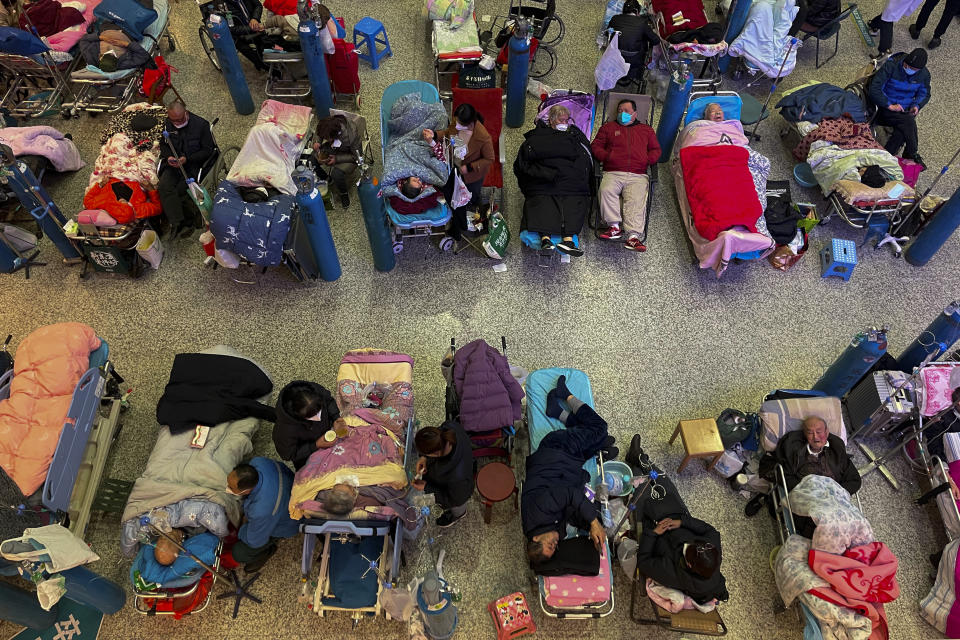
{"points": [[626, 147], [472, 158], [306, 411], [899, 90], [264, 485], [336, 153], [190, 146], [554, 170]]}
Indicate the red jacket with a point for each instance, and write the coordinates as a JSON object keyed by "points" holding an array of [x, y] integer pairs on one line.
{"points": [[141, 205], [630, 149]]}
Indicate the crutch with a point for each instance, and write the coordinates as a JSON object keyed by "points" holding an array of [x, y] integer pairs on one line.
{"points": [[916, 204], [239, 591], [773, 87]]}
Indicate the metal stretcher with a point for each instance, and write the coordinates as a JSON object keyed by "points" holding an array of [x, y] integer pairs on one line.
{"points": [[36, 81]]}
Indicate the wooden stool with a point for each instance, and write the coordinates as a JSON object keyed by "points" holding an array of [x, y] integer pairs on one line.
{"points": [[701, 439], [495, 483]]}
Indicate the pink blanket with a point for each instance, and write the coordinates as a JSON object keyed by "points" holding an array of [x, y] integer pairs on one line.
{"points": [[570, 592], [66, 39], [46, 142], [863, 578]]}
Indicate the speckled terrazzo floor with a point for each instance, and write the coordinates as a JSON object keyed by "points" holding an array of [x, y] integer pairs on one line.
{"points": [[660, 340]]}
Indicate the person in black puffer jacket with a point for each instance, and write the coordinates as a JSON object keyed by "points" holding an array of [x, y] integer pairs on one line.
{"points": [[554, 170], [305, 412], [446, 468]]}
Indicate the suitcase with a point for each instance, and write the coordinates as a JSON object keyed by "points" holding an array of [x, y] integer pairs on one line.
{"points": [[874, 408]]}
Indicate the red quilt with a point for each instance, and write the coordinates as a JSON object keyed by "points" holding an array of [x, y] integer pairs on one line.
{"points": [[863, 578], [689, 15], [719, 188]]}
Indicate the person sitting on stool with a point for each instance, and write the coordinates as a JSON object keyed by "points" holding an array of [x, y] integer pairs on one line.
{"points": [[192, 145], [446, 468], [553, 493], [265, 487], [899, 90]]}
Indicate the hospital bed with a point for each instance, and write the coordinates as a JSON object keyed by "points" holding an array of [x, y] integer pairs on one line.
{"points": [[736, 242], [36, 76], [102, 91], [592, 597], [690, 15], [582, 107], [353, 572], [453, 49], [429, 223], [188, 594], [90, 426]]}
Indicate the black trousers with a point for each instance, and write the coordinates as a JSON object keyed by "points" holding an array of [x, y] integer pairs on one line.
{"points": [[904, 131], [178, 207], [886, 33], [950, 9], [245, 554], [458, 221]]}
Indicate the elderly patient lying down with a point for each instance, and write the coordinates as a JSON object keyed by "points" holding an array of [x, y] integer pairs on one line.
{"points": [[413, 167], [167, 564], [359, 475]]}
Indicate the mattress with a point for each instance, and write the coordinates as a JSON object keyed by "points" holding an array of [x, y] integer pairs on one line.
{"points": [[435, 217], [450, 43], [575, 592], [150, 37], [355, 586]]}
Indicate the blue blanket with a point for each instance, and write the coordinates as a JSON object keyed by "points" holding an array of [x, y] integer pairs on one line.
{"points": [[407, 153], [255, 231]]}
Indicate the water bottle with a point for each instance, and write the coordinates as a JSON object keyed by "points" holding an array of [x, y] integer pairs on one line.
{"points": [[613, 482], [603, 496]]}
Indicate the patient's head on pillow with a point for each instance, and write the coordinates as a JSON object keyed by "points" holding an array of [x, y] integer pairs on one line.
{"points": [[303, 400], [713, 112], [341, 499], [702, 558], [542, 546], [165, 552], [411, 187]]}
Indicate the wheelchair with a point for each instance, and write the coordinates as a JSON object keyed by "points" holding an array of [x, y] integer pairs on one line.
{"points": [[248, 44], [541, 22]]}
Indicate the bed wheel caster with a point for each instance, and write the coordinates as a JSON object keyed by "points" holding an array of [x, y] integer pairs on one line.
{"points": [[397, 246]]}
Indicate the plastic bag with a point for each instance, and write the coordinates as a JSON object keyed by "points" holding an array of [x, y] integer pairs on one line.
{"points": [[326, 41], [50, 591], [617, 511], [398, 602], [461, 195], [627, 555], [611, 67], [730, 462], [150, 249]]}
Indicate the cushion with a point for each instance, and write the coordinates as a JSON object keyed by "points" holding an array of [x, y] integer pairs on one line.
{"points": [[777, 417], [132, 17], [840, 525], [938, 383], [855, 192]]}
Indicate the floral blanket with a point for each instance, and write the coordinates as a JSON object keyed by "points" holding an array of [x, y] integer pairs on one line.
{"points": [[120, 160], [407, 153], [840, 525]]}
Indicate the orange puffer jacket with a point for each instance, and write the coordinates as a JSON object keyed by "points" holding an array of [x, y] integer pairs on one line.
{"points": [[140, 205], [49, 363]]}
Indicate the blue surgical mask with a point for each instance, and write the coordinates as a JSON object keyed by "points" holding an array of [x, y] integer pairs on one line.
{"points": [[910, 72], [625, 117]]}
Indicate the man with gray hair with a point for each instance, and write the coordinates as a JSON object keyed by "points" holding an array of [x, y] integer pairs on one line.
{"points": [[188, 145]]}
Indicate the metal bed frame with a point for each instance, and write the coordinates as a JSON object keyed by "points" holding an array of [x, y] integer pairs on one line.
{"points": [[145, 602]]}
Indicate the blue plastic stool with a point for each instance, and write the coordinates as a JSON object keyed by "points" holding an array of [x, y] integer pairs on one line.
{"points": [[838, 259], [369, 30]]}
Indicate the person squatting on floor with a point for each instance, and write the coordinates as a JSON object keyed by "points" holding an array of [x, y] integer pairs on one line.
{"points": [[626, 147], [188, 145], [553, 493], [306, 411], [265, 486], [445, 469], [900, 89], [336, 148]]}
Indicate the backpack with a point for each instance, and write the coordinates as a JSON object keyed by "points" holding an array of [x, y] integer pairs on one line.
{"points": [[734, 426], [155, 82]]}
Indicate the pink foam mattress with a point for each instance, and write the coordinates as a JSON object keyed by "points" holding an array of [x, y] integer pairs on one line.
{"points": [[570, 592]]}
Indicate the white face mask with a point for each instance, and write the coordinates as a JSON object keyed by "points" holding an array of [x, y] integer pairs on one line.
{"points": [[562, 126], [462, 127], [316, 418], [182, 124], [336, 143], [232, 492]]}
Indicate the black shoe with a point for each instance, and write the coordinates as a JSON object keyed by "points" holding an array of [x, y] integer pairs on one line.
{"points": [[753, 507], [185, 230], [570, 249], [610, 453], [554, 408], [634, 452], [916, 158], [447, 519], [546, 244], [934, 43], [256, 565], [344, 200], [914, 31]]}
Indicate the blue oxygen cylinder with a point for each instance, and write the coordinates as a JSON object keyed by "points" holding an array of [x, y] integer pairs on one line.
{"points": [[518, 67], [865, 348], [314, 216], [942, 333], [735, 21], [21, 607], [38, 204], [378, 228], [935, 234], [226, 51], [316, 67], [671, 115]]}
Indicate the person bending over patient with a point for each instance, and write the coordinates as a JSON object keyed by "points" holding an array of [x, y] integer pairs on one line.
{"points": [[446, 468], [713, 112], [167, 563], [553, 494], [305, 412], [265, 486]]}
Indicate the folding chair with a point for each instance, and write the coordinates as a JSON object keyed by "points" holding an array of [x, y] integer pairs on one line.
{"points": [[831, 29]]}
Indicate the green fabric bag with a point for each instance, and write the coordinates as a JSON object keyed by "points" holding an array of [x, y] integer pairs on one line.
{"points": [[499, 237]]}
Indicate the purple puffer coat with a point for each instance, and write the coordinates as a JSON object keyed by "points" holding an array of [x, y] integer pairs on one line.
{"points": [[489, 396]]}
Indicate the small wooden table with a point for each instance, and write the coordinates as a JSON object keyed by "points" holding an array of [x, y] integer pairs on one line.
{"points": [[495, 483], [701, 439]]}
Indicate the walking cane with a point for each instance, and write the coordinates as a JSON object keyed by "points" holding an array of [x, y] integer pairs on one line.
{"points": [[773, 87], [240, 589], [916, 204]]}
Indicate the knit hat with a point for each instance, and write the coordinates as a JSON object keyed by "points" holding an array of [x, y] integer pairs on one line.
{"points": [[916, 58]]}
